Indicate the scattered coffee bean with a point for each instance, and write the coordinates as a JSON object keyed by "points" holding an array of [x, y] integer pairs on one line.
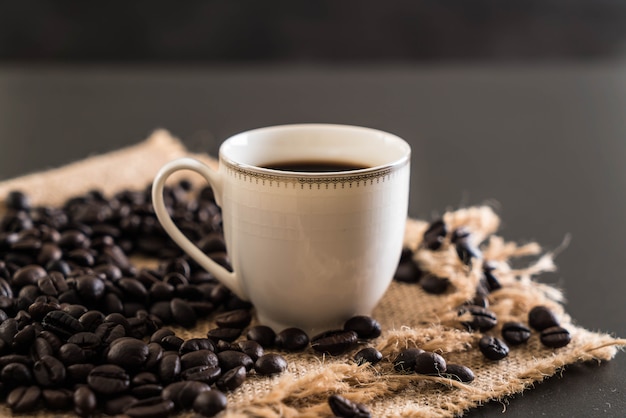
{"points": [[57, 399], [555, 337], [429, 363], [493, 348], [198, 358], [407, 271], [482, 319], [169, 368], [49, 371], [23, 399], [116, 405], [225, 334], [84, 402], [368, 355], [459, 372], [541, 317], [434, 285], [345, 408], [270, 364], [406, 359], [16, 374], [435, 235], [334, 342], [365, 327], [206, 374], [210, 403], [515, 333], [292, 339]]}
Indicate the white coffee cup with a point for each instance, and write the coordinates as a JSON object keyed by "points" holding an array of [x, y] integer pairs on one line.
{"points": [[308, 249]]}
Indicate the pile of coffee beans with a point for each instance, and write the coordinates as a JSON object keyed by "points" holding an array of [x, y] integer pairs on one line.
{"points": [[83, 329]]}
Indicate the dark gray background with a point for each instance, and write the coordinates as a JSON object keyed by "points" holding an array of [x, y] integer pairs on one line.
{"points": [[518, 104]]}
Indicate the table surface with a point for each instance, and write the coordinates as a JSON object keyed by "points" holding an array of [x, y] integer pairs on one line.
{"points": [[545, 145]]}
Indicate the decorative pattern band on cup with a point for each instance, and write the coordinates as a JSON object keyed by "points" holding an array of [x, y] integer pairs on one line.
{"points": [[348, 179]]}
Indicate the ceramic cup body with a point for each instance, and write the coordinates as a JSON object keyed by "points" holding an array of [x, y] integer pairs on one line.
{"points": [[308, 249]]}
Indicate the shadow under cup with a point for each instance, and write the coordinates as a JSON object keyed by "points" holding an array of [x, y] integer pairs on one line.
{"points": [[312, 249]]}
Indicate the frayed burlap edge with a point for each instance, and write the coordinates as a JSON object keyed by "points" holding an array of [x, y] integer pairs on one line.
{"points": [[409, 316]]}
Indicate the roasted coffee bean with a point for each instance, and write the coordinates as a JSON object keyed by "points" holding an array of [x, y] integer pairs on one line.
{"points": [[492, 281], [434, 285], [239, 318], [17, 200], [84, 401], [344, 408], [87, 341], [8, 329], [52, 284], [159, 334], [145, 391], [225, 334], [206, 374], [117, 405], [231, 379], [466, 250], [262, 334], [230, 359], [195, 344], [24, 338], [334, 342], [108, 379], [482, 319], [184, 393], [23, 399], [162, 310], [292, 339], [182, 313], [368, 355], [71, 354], [429, 363], [435, 235], [251, 348], [91, 320], [459, 372], [79, 372], [270, 364], [541, 317], [49, 371], [128, 353], [150, 408], [5, 288], [155, 353], [366, 327], [515, 333], [169, 368], [172, 342], [40, 348], [405, 361], [72, 238], [198, 358], [178, 265], [175, 279], [133, 289], [54, 341], [57, 399], [16, 374], [75, 310], [41, 306], [81, 257], [555, 337], [109, 332], [493, 348], [28, 275], [62, 324], [210, 403], [408, 271]]}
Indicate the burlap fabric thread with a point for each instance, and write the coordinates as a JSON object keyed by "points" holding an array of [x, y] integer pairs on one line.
{"points": [[409, 316]]}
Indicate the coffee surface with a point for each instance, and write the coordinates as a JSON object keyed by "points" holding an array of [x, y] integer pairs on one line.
{"points": [[315, 166]]}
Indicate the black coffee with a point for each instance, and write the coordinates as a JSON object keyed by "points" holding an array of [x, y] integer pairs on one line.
{"points": [[315, 166]]}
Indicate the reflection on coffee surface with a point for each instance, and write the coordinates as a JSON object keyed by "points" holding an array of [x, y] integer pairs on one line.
{"points": [[315, 166]]}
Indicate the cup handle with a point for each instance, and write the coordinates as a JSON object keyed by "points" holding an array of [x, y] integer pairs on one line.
{"points": [[227, 278]]}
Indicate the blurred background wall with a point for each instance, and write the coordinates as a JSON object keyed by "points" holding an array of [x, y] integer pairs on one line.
{"points": [[214, 31]]}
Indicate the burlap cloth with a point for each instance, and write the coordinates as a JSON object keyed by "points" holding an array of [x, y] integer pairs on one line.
{"points": [[409, 316]]}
